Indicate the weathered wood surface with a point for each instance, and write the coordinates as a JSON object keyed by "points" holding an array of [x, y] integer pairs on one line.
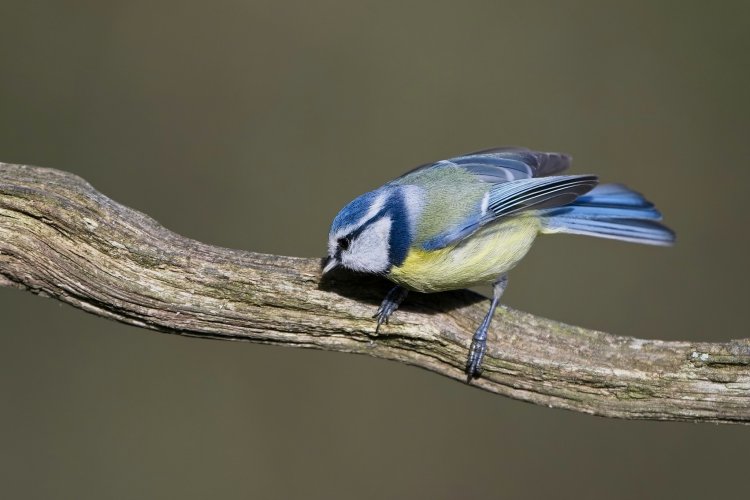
{"points": [[61, 238]]}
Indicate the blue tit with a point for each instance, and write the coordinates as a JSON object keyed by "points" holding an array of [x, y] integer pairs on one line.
{"points": [[468, 220]]}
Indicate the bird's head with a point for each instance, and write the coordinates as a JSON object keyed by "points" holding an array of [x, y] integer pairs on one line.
{"points": [[373, 232]]}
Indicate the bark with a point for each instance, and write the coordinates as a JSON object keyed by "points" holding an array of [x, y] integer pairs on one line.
{"points": [[61, 238]]}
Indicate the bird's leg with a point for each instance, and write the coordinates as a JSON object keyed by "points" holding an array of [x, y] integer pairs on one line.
{"points": [[479, 341], [390, 303]]}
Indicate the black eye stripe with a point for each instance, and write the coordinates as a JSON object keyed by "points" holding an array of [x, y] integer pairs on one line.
{"points": [[345, 241]]}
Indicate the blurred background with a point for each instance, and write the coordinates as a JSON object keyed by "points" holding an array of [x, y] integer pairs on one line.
{"points": [[248, 124]]}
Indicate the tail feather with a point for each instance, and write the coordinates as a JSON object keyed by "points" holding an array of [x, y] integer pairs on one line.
{"points": [[610, 211]]}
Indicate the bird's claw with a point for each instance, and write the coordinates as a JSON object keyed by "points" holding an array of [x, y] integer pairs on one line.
{"points": [[382, 316], [476, 355], [390, 303]]}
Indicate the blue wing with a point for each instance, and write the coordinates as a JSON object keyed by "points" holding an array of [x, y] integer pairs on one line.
{"points": [[610, 211], [504, 164], [536, 163], [511, 197], [520, 179]]}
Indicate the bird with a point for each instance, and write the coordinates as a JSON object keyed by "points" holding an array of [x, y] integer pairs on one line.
{"points": [[469, 220]]}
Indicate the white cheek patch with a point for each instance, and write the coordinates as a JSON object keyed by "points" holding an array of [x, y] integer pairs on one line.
{"points": [[369, 251]]}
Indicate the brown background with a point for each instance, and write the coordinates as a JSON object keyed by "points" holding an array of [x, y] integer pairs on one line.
{"points": [[249, 124]]}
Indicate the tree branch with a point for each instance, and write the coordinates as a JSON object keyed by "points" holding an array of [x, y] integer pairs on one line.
{"points": [[61, 238]]}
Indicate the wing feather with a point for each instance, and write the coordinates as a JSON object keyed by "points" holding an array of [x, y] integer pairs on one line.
{"points": [[517, 179], [510, 198], [543, 192], [541, 163], [503, 164]]}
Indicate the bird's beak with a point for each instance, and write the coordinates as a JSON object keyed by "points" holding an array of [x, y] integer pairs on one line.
{"points": [[329, 264]]}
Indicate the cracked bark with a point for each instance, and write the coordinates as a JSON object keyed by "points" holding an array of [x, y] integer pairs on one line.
{"points": [[61, 238]]}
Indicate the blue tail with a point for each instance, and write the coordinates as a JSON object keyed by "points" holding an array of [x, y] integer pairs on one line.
{"points": [[610, 211]]}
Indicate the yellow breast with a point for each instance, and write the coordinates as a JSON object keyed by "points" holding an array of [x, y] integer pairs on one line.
{"points": [[481, 258]]}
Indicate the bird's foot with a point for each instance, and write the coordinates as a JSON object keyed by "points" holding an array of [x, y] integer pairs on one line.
{"points": [[389, 305], [476, 355], [476, 351], [479, 340]]}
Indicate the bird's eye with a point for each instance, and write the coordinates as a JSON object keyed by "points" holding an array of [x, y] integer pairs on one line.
{"points": [[344, 243]]}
